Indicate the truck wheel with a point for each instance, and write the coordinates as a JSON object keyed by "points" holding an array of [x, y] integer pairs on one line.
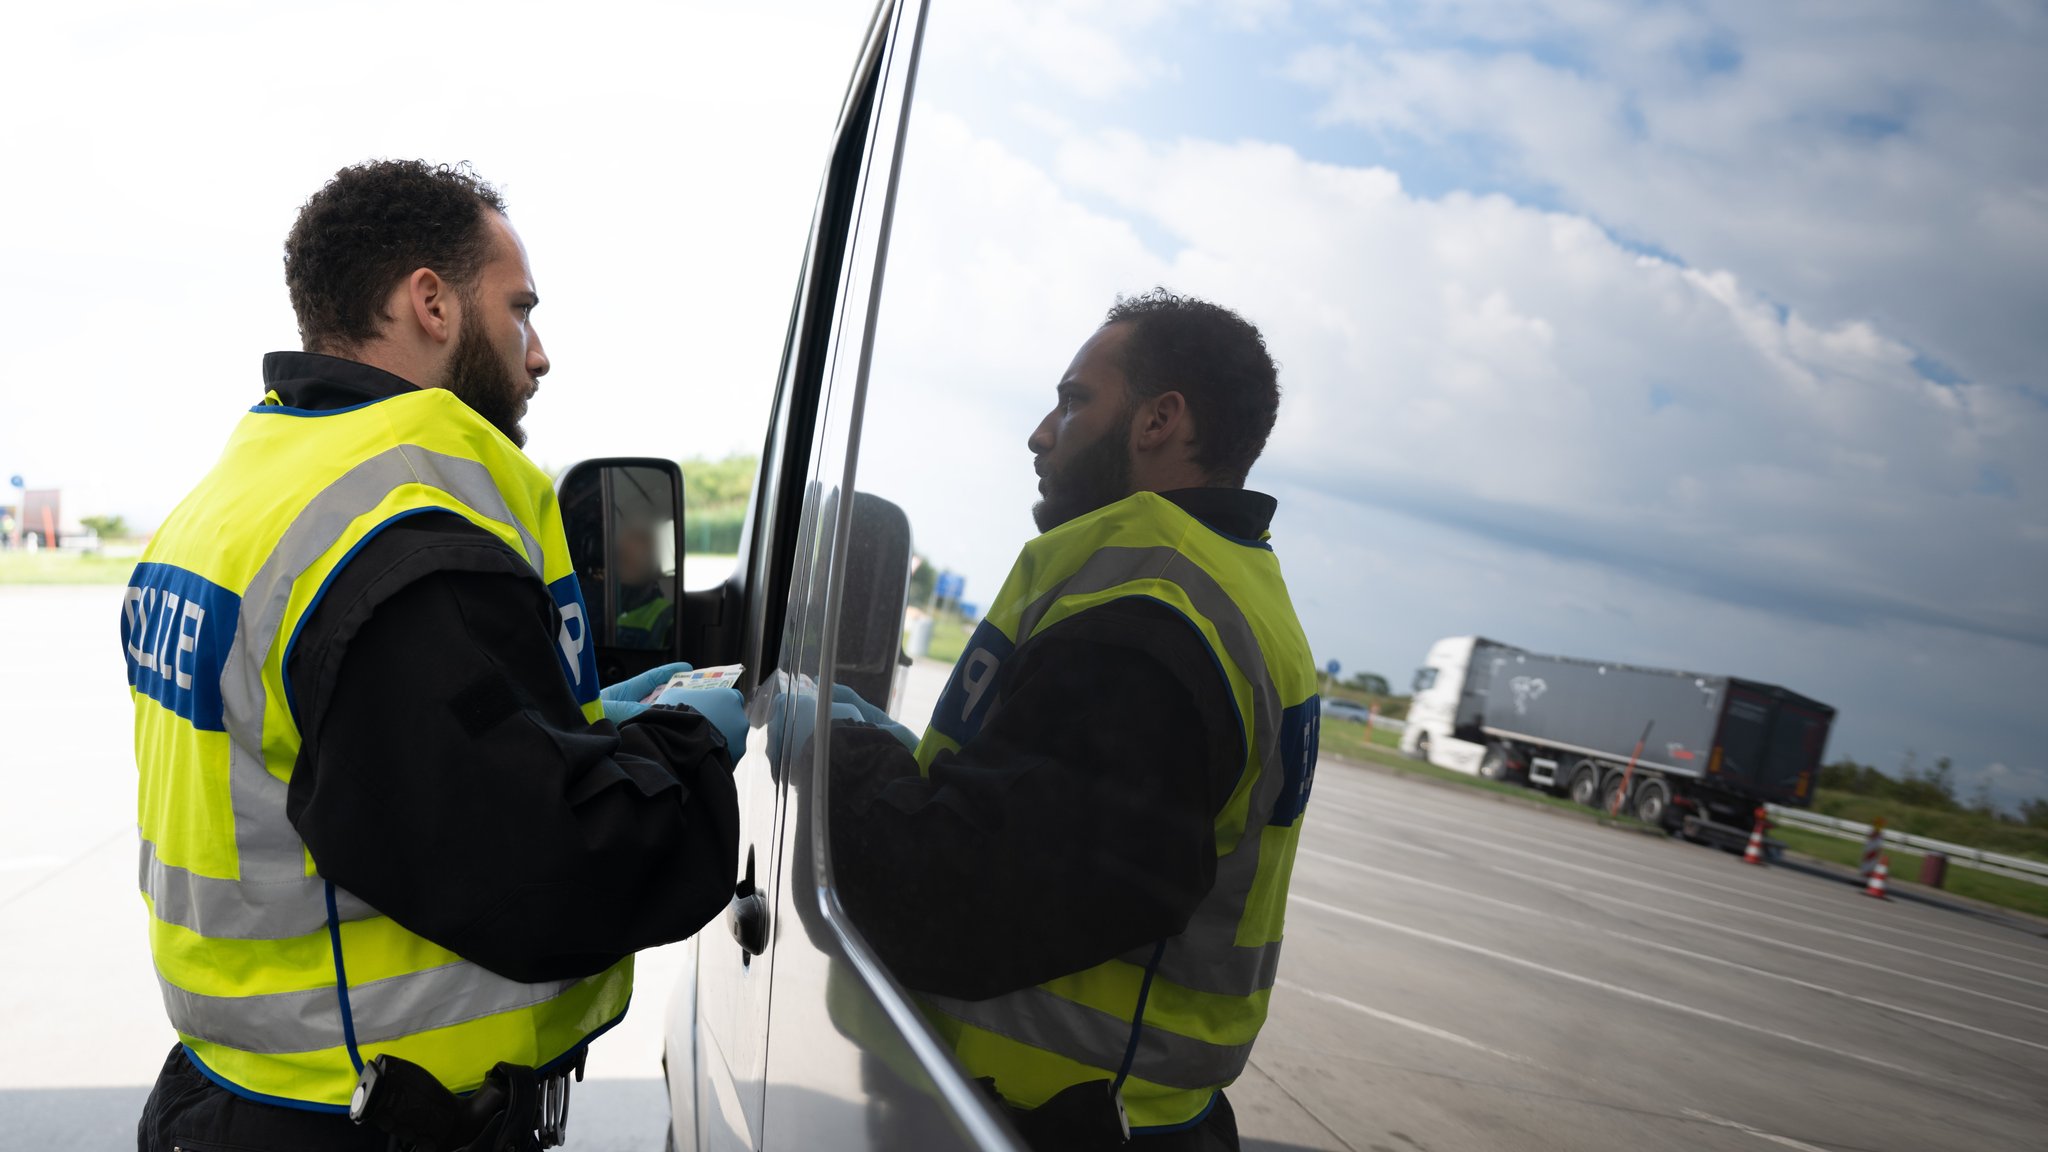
{"points": [[1494, 765], [1585, 785], [1610, 792], [1653, 802]]}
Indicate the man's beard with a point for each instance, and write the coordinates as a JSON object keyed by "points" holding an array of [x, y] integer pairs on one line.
{"points": [[1098, 476], [480, 379]]}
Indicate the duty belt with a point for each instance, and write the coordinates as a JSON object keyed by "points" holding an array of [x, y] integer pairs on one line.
{"points": [[516, 1110]]}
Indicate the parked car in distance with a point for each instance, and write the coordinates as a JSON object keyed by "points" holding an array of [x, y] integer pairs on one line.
{"points": [[1338, 708]]}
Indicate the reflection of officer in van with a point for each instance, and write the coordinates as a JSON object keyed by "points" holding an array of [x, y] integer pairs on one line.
{"points": [[1082, 869], [647, 611]]}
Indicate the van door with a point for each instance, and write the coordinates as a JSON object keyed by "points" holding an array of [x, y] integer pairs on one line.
{"points": [[736, 959], [792, 1016]]}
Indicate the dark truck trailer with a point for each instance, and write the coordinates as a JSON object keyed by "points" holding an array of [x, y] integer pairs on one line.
{"points": [[1712, 747]]}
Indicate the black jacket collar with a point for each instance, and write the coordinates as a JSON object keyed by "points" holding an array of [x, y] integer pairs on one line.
{"points": [[320, 383], [1235, 512]]}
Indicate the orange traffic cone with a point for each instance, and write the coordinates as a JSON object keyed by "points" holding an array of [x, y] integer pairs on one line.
{"points": [[1877, 878], [1754, 854], [1873, 847]]}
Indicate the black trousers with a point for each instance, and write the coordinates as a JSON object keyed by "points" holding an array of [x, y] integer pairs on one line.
{"points": [[1216, 1133], [1080, 1120], [190, 1113]]}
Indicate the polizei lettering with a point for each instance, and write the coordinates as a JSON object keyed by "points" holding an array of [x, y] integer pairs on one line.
{"points": [[572, 637], [974, 684], [176, 630]]}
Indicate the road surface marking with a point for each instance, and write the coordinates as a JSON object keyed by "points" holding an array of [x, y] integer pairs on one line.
{"points": [[1673, 949], [1603, 986], [1641, 997], [1402, 1021], [1785, 1141], [1636, 906], [1808, 984], [1669, 891], [1403, 845], [1432, 810], [1721, 880]]}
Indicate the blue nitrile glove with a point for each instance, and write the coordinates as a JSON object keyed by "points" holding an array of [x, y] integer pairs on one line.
{"points": [[805, 721], [724, 707], [841, 694], [622, 701]]}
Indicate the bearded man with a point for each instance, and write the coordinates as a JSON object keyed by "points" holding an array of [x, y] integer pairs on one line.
{"points": [[390, 826], [1082, 865]]}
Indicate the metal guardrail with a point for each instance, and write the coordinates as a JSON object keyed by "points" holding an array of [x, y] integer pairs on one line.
{"points": [[2016, 867]]}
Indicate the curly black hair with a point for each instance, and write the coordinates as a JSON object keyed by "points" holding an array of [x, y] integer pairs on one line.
{"points": [[1217, 360], [369, 228]]}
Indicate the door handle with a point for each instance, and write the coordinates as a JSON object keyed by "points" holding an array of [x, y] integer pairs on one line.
{"points": [[749, 917]]}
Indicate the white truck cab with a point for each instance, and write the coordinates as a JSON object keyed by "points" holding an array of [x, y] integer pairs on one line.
{"points": [[1438, 687]]}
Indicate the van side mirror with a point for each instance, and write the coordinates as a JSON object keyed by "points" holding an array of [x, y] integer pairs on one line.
{"points": [[877, 587], [624, 519]]}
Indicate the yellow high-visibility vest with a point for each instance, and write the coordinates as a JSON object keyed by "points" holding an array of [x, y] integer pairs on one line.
{"points": [[280, 984], [1204, 991]]}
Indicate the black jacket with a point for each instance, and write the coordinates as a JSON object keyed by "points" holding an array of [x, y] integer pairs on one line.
{"points": [[448, 776], [1077, 825]]}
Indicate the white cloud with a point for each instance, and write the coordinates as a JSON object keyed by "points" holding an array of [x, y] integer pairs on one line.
{"points": [[1650, 447], [1865, 161], [1474, 357], [1086, 49]]}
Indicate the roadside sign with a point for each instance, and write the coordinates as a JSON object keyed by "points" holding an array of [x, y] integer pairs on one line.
{"points": [[951, 585], [16, 481], [1332, 668]]}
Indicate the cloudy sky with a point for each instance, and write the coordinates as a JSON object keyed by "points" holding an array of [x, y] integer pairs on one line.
{"points": [[1689, 334]]}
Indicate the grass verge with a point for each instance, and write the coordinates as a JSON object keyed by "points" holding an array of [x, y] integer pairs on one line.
{"points": [[949, 638], [47, 567], [1345, 739], [1990, 887], [1976, 829]]}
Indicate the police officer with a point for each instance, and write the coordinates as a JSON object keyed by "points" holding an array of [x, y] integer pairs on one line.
{"points": [[383, 810], [1083, 865]]}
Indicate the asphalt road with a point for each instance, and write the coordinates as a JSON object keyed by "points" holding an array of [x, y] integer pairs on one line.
{"points": [[1465, 974], [1460, 974]]}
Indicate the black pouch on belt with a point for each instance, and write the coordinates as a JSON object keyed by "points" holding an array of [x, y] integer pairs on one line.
{"points": [[405, 1100], [1085, 1116]]}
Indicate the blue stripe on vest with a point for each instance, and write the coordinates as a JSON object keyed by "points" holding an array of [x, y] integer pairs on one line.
{"points": [[1300, 732], [176, 629], [574, 647], [972, 687]]}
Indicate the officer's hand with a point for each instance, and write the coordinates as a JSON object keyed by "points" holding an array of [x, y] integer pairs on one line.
{"points": [[642, 686], [800, 710], [626, 699], [841, 694], [724, 707]]}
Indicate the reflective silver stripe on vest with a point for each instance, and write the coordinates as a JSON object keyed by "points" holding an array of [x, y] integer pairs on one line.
{"points": [[381, 1010], [242, 909], [1098, 1039], [267, 847], [1206, 957]]}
